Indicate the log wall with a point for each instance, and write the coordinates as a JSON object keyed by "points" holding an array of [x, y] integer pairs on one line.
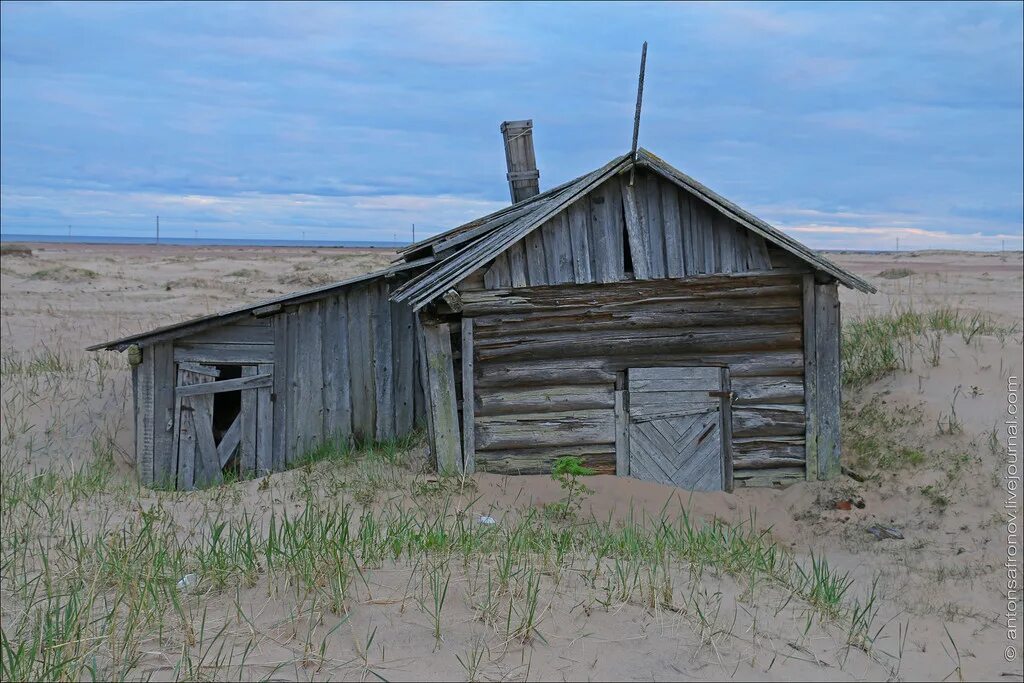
{"points": [[546, 362]]}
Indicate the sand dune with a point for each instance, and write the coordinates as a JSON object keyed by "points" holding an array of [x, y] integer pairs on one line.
{"points": [[532, 596]]}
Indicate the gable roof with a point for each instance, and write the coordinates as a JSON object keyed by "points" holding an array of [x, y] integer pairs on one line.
{"points": [[192, 325], [487, 237]]}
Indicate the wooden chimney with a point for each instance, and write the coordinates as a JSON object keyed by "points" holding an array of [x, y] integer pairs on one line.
{"points": [[523, 176]]}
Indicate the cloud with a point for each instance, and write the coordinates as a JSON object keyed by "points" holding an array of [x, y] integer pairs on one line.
{"points": [[248, 215], [365, 117]]}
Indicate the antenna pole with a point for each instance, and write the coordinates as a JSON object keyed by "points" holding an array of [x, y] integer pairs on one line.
{"points": [[414, 233], [639, 102]]}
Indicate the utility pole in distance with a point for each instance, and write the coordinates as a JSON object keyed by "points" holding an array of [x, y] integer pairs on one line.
{"points": [[414, 233], [158, 229]]}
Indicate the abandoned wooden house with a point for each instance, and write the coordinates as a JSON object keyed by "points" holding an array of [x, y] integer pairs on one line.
{"points": [[631, 316]]}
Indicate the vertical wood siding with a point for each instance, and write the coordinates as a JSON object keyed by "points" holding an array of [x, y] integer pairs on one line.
{"points": [[669, 234], [345, 369]]}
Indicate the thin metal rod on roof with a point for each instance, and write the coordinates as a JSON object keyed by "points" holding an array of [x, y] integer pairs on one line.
{"points": [[639, 102]]}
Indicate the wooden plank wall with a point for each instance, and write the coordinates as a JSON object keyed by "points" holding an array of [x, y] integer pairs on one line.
{"points": [[345, 367], [546, 360], [670, 234]]}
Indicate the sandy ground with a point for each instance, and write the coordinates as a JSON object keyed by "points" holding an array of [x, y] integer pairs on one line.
{"points": [[941, 589]]}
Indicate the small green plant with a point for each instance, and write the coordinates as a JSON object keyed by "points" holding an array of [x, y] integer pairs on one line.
{"points": [[567, 472]]}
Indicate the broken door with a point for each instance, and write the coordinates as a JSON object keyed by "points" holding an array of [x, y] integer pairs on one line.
{"points": [[224, 422]]}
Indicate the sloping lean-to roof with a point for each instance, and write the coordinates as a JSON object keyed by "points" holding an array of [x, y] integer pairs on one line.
{"points": [[465, 249], [193, 325]]}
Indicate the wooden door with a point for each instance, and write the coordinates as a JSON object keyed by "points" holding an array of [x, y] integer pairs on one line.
{"points": [[676, 430], [202, 453]]}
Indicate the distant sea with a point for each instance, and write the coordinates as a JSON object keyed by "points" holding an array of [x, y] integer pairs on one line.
{"points": [[197, 241]]}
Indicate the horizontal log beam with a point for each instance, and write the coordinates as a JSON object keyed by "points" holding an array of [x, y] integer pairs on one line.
{"points": [[510, 401], [546, 429], [768, 420], [237, 384]]}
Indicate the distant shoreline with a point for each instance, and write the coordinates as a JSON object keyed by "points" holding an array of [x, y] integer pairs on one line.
{"points": [[195, 241], [16, 238]]}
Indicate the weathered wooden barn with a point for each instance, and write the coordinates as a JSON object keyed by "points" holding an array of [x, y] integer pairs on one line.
{"points": [[631, 316]]}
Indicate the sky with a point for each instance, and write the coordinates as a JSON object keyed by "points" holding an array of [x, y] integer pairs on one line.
{"points": [[846, 125]]}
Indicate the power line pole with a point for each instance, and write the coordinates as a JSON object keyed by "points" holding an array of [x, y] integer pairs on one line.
{"points": [[158, 229], [414, 233]]}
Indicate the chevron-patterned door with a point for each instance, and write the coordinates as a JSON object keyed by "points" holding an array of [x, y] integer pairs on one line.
{"points": [[675, 426]]}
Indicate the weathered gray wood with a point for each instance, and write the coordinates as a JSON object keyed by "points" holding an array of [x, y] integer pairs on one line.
{"points": [[680, 437], [536, 264], [444, 418], [468, 399], [768, 451], [750, 390], [403, 347], [523, 177], [600, 457], [728, 455], [453, 300], [164, 378], [511, 401], [309, 387], [558, 249], [687, 378], [673, 231], [280, 395], [543, 373], [684, 396], [705, 219], [334, 361], [606, 257], [758, 259], [383, 365], [185, 439], [545, 429], [475, 281], [199, 369], [230, 441], [216, 354], [144, 417], [691, 245], [297, 414], [828, 397], [419, 375], [517, 265], [697, 288], [249, 424], [579, 238], [231, 334], [651, 200], [810, 377], [725, 243], [247, 381], [621, 435], [614, 342], [497, 275], [768, 420], [360, 359], [777, 477], [264, 425], [424, 376], [636, 231], [208, 472]]}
